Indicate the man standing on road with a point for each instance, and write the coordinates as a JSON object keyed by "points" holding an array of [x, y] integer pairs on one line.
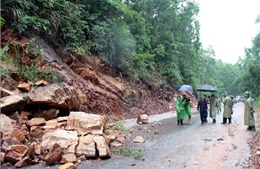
{"points": [[203, 109], [227, 110], [249, 112], [213, 107]]}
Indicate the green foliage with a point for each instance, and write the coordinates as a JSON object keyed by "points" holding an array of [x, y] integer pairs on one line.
{"points": [[153, 41], [5, 71], [119, 126], [257, 102], [2, 21], [34, 47], [249, 77], [5, 58], [136, 153], [25, 96], [69, 18], [33, 74]]}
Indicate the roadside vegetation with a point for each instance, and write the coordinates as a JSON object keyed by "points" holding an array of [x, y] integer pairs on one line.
{"points": [[119, 126], [135, 153]]}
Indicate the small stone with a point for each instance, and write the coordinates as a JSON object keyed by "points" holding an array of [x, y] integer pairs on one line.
{"points": [[54, 155], [67, 166], [17, 135], [24, 87], [156, 131], [120, 139], [26, 161], [139, 139], [115, 144], [41, 83], [69, 157], [132, 164], [82, 158], [220, 139], [36, 121]]}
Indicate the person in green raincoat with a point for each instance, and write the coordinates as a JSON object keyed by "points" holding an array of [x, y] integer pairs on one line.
{"points": [[219, 104], [249, 112], [186, 104], [180, 110], [227, 109], [213, 108]]}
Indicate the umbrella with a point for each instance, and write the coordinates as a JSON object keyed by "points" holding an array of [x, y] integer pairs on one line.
{"points": [[207, 88], [184, 87]]}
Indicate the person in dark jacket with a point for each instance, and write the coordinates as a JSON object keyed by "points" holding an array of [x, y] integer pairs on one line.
{"points": [[203, 109]]}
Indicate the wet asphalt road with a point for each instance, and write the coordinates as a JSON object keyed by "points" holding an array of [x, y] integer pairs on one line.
{"points": [[192, 146]]}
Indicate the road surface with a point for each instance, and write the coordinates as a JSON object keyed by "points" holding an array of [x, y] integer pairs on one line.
{"points": [[215, 146], [191, 146]]}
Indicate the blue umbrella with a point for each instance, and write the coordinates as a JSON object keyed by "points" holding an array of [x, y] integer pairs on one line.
{"points": [[184, 87]]}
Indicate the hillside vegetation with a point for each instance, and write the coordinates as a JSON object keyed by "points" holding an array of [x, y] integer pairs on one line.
{"points": [[153, 43]]}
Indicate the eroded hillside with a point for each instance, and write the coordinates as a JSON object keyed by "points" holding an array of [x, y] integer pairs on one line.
{"points": [[98, 89]]}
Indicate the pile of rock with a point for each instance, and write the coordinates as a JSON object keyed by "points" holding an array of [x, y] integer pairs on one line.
{"points": [[69, 139]]}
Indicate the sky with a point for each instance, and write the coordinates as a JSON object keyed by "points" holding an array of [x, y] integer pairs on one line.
{"points": [[228, 26]]}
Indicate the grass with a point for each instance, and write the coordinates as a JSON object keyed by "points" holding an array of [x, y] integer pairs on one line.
{"points": [[136, 153], [119, 126]]}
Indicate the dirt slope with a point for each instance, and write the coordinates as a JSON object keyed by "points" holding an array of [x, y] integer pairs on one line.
{"points": [[99, 89]]}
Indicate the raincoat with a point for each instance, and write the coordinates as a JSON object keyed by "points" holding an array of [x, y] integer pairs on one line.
{"points": [[213, 108], [248, 113], [227, 107], [180, 109], [186, 105], [219, 103]]}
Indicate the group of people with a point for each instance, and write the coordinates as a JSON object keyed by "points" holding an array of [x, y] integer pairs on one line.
{"points": [[183, 109], [214, 108]]}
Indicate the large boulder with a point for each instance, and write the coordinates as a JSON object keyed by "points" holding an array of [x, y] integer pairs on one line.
{"points": [[6, 124], [59, 95], [86, 123], [66, 139], [86, 146], [11, 104], [102, 147]]}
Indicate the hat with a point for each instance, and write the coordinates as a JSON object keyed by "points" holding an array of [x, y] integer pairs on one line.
{"points": [[247, 93]]}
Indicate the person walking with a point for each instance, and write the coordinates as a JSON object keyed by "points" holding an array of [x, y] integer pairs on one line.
{"points": [[227, 110], [203, 109], [213, 107], [186, 105], [180, 110], [219, 104], [249, 112]]}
